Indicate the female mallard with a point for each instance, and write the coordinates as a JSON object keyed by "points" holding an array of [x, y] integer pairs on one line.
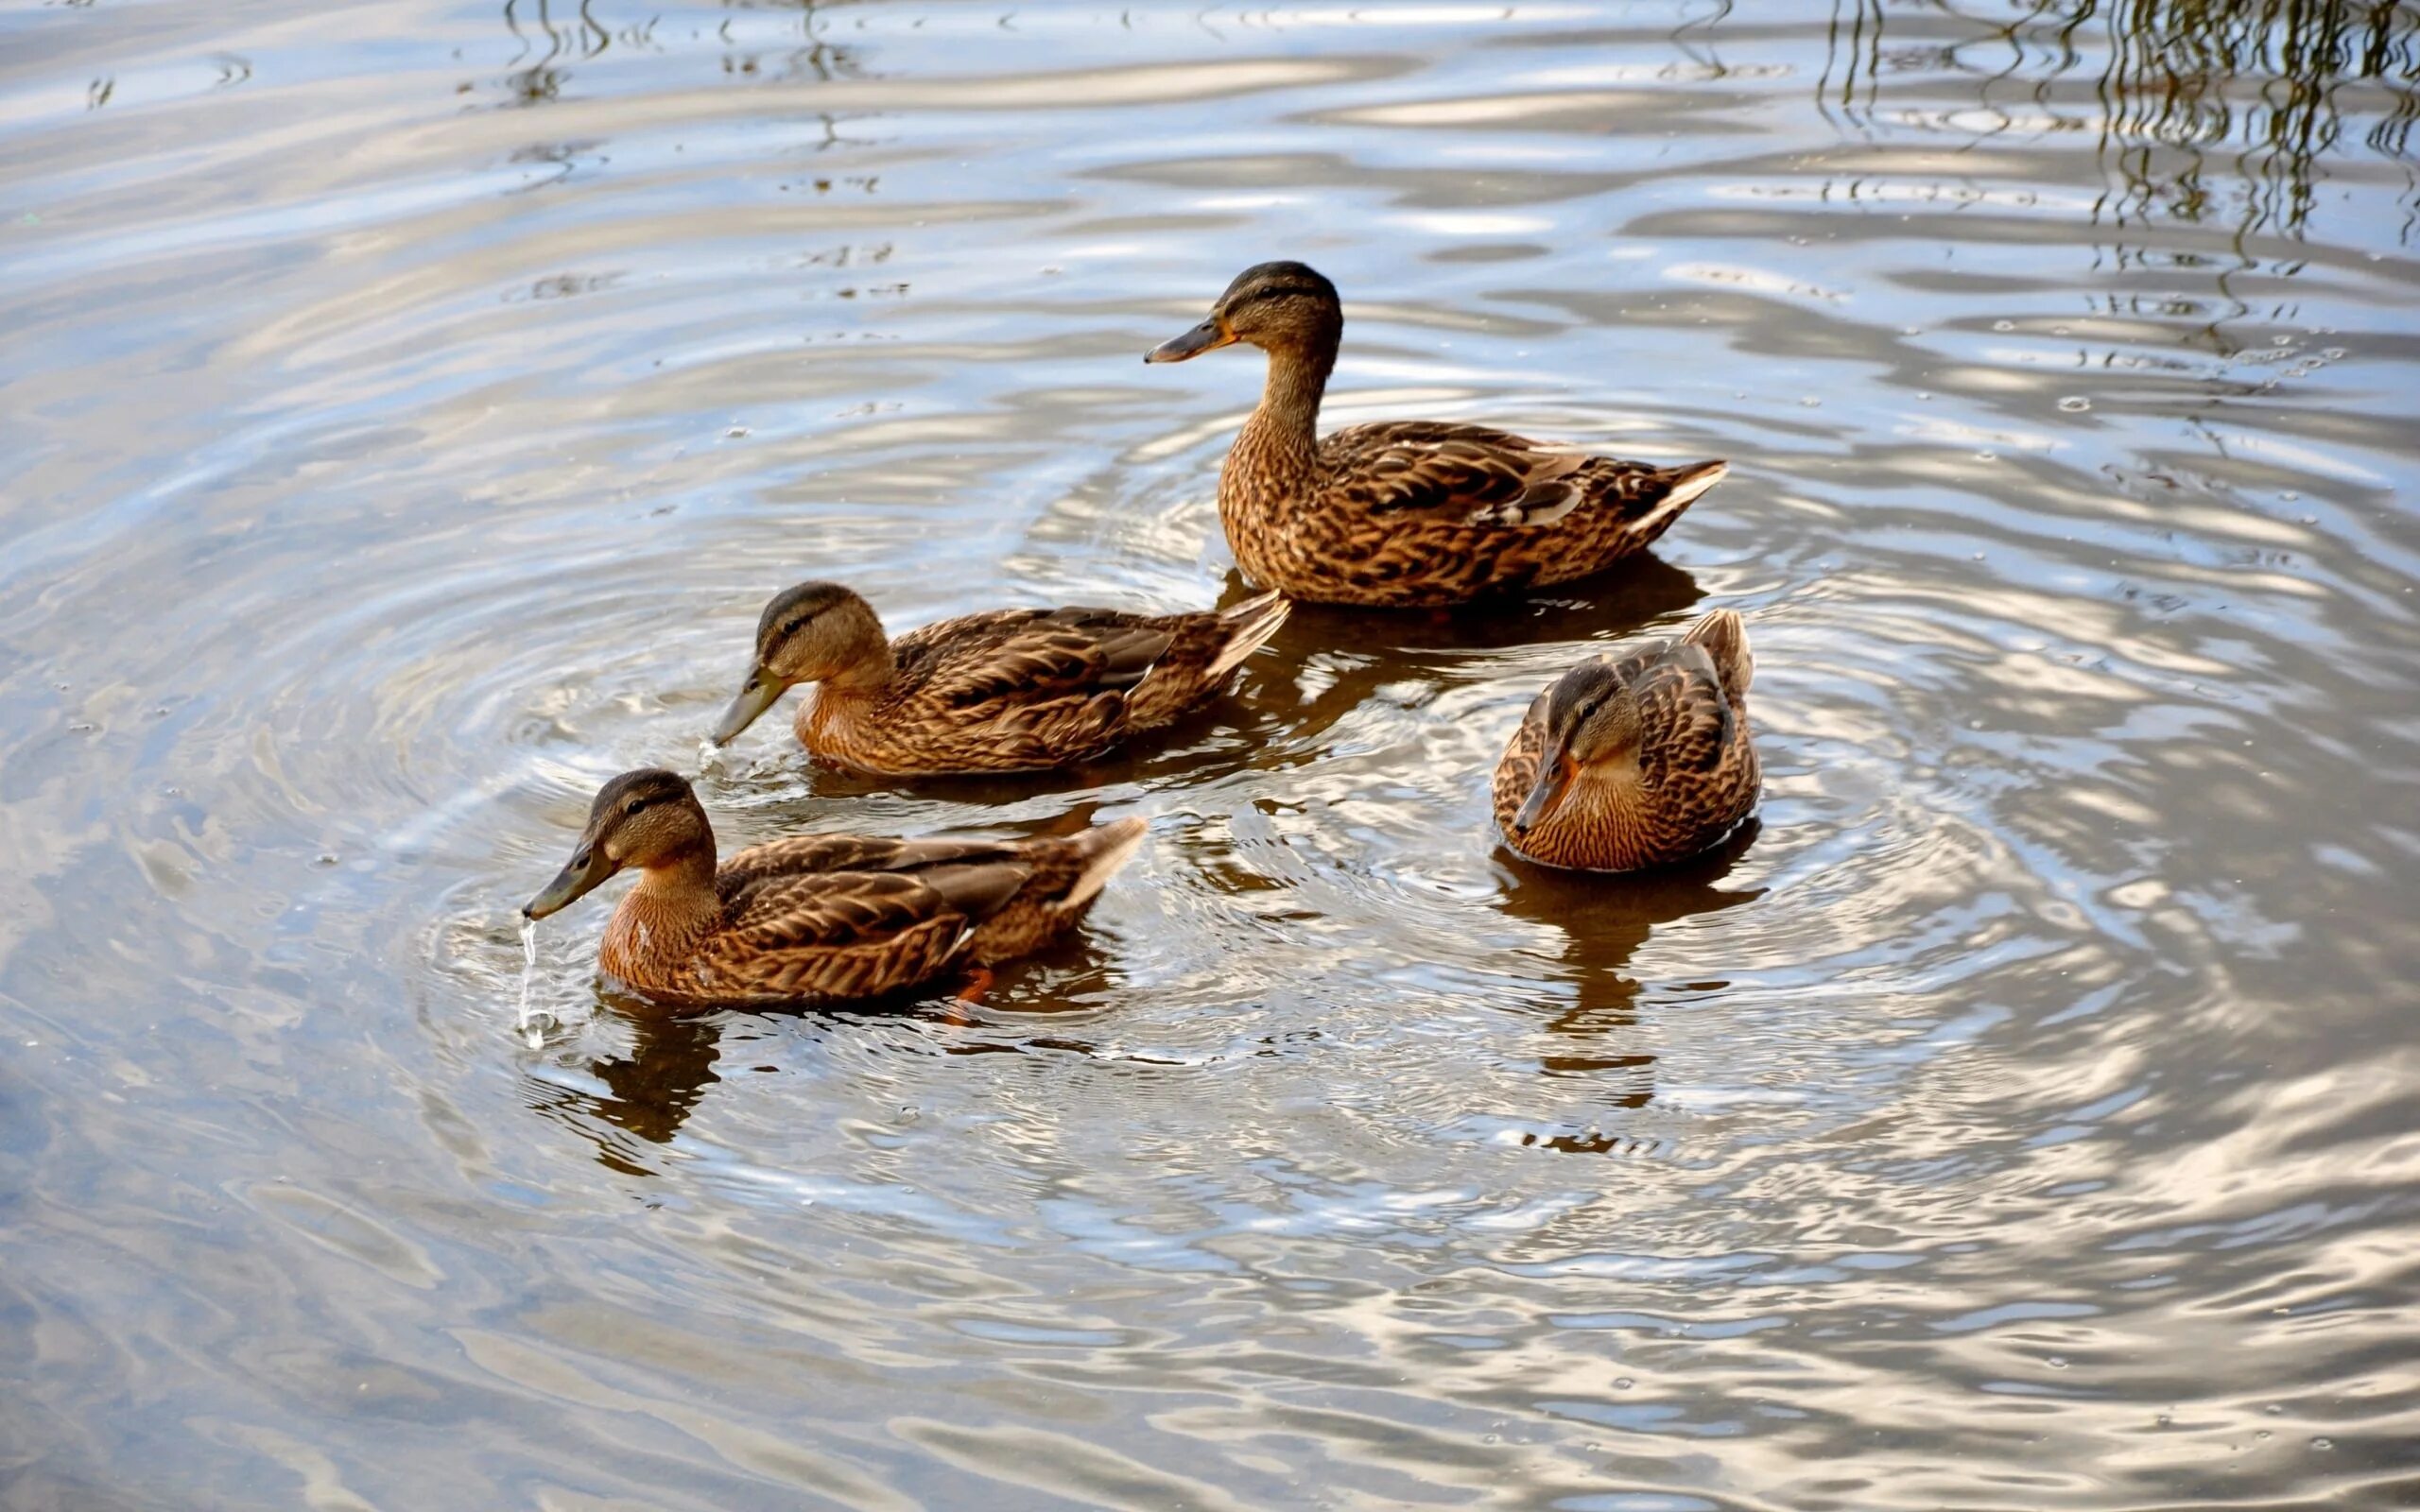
{"points": [[822, 918], [1634, 760], [1404, 512], [1016, 690]]}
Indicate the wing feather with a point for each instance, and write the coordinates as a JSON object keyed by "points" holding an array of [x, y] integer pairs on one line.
{"points": [[1469, 473]]}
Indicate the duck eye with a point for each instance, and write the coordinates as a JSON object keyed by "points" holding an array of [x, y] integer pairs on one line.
{"points": [[634, 806], [793, 627]]}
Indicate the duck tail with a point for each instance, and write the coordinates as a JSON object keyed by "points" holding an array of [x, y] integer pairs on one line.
{"points": [[1102, 849], [1249, 625], [1724, 636], [1683, 484]]}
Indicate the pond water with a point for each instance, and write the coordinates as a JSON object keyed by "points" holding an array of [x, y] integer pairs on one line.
{"points": [[410, 405]]}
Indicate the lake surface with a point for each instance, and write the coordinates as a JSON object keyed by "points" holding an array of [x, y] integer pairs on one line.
{"points": [[410, 405]]}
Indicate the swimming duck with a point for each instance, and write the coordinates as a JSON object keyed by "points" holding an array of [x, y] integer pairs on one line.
{"points": [[1404, 512], [1010, 691], [819, 918], [1636, 758]]}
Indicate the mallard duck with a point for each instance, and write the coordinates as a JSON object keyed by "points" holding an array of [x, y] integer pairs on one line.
{"points": [[1636, 758], [1015, 689], [819, 918], [1404, 512]]}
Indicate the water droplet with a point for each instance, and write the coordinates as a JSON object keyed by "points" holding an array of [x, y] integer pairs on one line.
{"points": [[2281, 341], [532, 1022], [2003, 325], [1811, 402], [1987, 456], [2058, 330], [2057, 1362], [1623, 1382], [2323, 1444], [2162, 1418], [2075, 403], [2261, 1434], [2334, 353], [1490, 1438], [325, 858], [2290, 497], [2274, 1409], [735, 433]]}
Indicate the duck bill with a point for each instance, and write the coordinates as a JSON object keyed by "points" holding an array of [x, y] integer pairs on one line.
{"points": [[760, 694], [1207, 337], [588, 867], [1546, 795]]}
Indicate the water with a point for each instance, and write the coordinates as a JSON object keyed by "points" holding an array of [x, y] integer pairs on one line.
{"points": [[411, 404]]}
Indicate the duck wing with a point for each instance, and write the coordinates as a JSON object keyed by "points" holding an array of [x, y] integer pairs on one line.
{"points": [[807, 854], [1687, 724], [833, 935], [1024, 657], [1463, 475]]}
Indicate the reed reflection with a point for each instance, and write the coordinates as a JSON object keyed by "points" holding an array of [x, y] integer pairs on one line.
{"points": [[552, 33], [2172, 81]]}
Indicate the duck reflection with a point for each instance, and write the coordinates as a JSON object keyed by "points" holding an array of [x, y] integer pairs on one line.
{"points": [[1361, 651], [1603, 921], [651, 1088]]}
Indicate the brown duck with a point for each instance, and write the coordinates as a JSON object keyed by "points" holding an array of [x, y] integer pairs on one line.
{"points": [[1010, 691], [1404, 512], [1637, 759], [819, 918]]}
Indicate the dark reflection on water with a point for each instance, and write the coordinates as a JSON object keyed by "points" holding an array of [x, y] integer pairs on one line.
{"points": [[2163, 86], [409, 409]]}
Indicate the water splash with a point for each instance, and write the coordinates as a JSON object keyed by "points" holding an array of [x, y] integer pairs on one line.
{"points": [[531, 1021]]}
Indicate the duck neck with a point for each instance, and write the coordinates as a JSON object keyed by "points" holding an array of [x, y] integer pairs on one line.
{"points": [[1283, 430], [673, 910], [862, 662]]}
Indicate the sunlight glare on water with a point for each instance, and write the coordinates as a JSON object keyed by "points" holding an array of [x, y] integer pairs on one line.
{"points": [[411, 406]]}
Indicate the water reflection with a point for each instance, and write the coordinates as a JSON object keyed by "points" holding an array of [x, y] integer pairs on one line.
{"points": [[2162, 84], [651, 1087], [1603, 921], [2042, 1062]]}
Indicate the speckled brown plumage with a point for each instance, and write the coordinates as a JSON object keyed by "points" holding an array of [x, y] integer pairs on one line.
{"points": [[1012, 690], [819, 918], [1405, 512], [1652, 749]]}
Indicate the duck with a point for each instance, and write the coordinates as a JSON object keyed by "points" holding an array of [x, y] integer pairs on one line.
{"points": [[1406, 513], [1634, 760], [816, 919], [1017, 690]]}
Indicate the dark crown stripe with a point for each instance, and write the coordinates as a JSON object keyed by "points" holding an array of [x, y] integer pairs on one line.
{"points": [[1277, 291]]}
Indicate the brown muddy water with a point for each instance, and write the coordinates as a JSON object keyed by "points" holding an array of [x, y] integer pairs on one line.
{"points": [[408, 404]]}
